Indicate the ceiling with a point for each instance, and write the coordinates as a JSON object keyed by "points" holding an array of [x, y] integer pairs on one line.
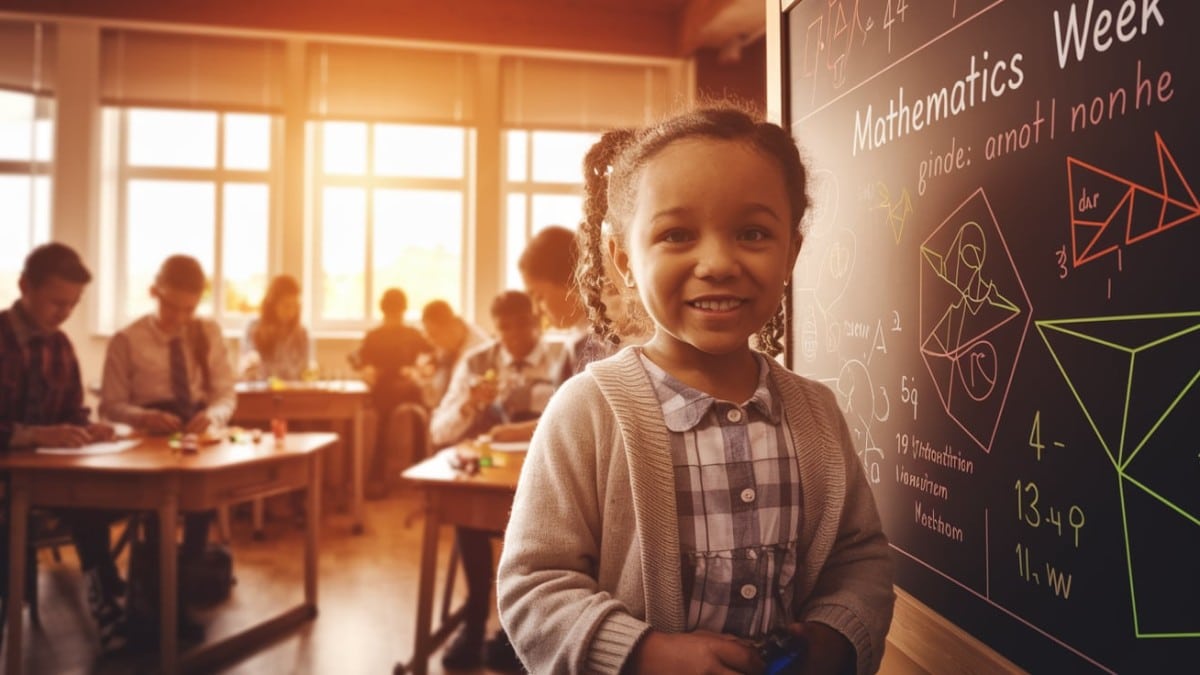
{"points": [[670, 28]]}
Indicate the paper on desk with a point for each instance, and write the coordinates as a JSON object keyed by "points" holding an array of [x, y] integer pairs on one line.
{"points": [[104, 448]]}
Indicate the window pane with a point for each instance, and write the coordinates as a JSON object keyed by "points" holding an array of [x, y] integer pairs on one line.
{"points": [[248, 142], [515, 224], [558, 155], [16, 126], [343, 246], [165, 218], [423, 151], [515, 149], [418, 245], [25, 224], [345, 147], [172, 138], [244, 258], [564, 210]]}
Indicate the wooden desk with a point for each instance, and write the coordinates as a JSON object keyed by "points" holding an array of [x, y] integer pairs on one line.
{"points": [[451, 498], [326, 400], [152, 476]]}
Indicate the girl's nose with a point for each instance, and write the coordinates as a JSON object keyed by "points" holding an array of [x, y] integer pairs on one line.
{"points": [[716, 259]]}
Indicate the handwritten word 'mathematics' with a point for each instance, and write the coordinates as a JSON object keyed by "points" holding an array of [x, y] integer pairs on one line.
{"points": [[983, 80]]}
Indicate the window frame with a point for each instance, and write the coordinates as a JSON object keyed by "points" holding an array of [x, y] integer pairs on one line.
{"points": [[219, 176], [33, 169], [529, 188], [371, 182]]}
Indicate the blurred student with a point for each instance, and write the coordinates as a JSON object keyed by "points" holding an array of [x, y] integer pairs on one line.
{"points": [[276, 344], [500, 385], [385, 359], [169, 372], [452, 338], [41, 405], [549, 267]]}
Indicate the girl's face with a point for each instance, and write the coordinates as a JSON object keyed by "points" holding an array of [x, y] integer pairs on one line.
{"points": [[287, 309], [709, 245], [555, 302]]}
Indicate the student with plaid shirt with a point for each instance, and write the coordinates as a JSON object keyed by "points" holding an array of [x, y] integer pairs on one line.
{"points": [[688, 497], [41, 405]]}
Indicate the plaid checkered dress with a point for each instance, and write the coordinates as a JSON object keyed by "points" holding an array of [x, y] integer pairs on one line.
{"points": [[737, 489]]}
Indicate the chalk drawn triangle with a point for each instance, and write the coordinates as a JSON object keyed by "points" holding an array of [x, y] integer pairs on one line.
{"points": [[1162, 543], [1098, 358], [1174, 186], [1104, 237], [1164, 370], [1097, 373]]}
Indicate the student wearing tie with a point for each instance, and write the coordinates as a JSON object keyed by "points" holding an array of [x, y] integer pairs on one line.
{"points": [[41, 405], [169, 372], [499, 388]]}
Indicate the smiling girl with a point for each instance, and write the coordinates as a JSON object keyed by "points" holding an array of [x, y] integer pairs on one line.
{"points": [[688, 497]]}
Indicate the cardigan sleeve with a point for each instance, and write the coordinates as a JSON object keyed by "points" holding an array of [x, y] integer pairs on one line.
{"points": [[853, 592], [555, 613]]}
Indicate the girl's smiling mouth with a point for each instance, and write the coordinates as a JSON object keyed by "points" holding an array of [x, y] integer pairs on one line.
{"points": [[724, 304]]}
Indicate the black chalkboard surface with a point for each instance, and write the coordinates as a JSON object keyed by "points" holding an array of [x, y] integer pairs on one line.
{"points": [[1001, 282]]}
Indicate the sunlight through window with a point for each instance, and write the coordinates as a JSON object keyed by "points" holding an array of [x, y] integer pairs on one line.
{"points": [[393, 199]]}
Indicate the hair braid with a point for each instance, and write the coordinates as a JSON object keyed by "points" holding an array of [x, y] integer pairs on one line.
{"points": [[590, 272]]}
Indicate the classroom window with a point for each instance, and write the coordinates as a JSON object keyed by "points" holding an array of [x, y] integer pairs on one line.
{"points": [[543, 186], [193, 182], [391, 213], [26, 150]]}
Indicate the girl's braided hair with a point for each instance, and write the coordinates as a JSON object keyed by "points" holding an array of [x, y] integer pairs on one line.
{"points": [[611, 171]]}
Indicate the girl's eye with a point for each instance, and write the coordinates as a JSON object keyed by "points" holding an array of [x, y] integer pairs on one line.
{"points": [[755, 234], [676, 236]]}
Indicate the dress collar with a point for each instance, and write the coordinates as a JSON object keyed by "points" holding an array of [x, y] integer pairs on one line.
{"points": [[684, 407]]}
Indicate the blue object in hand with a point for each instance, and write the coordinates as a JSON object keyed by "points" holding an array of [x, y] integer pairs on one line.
{"points": [[783, 653]]}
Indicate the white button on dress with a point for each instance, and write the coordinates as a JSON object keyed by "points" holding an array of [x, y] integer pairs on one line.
{"points": [[748, 495], [734, 415], [749, 591]]}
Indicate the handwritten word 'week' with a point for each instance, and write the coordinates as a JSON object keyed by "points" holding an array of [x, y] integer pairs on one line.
{"points": [[1076, 34]]}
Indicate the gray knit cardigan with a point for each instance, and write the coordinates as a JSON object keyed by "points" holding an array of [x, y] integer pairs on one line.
{"points": [[591, 554]]}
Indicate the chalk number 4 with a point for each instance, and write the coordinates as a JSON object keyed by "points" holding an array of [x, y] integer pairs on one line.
{"points": [[895, 8]]}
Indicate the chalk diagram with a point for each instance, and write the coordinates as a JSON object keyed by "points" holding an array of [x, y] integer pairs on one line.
{"points": [[863, 404], [1134, 378], [835, 32], [898, 211], [1109, 212], [828, 261], [974, 316]]}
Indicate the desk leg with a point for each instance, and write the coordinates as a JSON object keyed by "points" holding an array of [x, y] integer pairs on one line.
{"points": [[357, 467], [256, 517], [17, 541], [312, 529], [429, 554], [168, 618]]}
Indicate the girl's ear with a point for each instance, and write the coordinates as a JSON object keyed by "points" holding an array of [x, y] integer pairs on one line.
{"points": [[794, 245], [620, 259]]}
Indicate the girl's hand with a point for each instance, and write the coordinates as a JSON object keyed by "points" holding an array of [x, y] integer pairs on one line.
{"points": [[829, 652], [696, 652]]}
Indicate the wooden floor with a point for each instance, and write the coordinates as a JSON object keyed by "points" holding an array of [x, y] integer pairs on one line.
{"points": [[367, 598]]}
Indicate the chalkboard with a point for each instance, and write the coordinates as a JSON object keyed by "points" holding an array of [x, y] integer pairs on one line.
{"points": [[1000, 281]]}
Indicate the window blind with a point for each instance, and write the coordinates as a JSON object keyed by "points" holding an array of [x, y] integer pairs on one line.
{"points": [[548, 93], [27, 57], [142, 68], [384, 83]]}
